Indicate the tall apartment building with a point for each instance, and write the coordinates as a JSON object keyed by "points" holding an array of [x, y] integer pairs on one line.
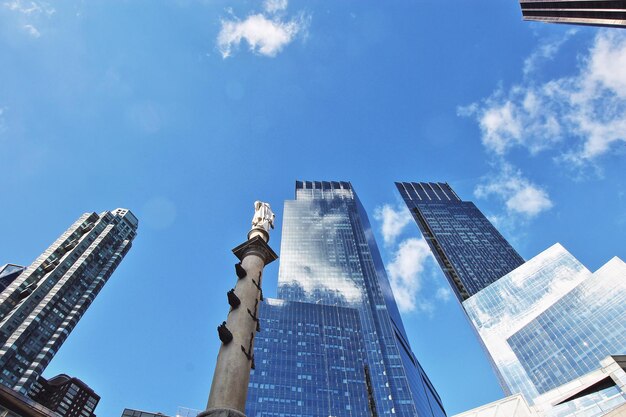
{"points": [[40, 308], [334, 343], [67, 396], [471, 252], [610, 13], [8, 273]]}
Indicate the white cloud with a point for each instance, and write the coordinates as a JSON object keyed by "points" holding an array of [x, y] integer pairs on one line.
{"points": [[580, 116], [2, 121], [444, 294], [266, 34], [32, 31], [405, 274], [519, 194], [500, 127], [411, 263], [393, 221], [516, 119], [546, 51], [273, 6], [29, 7], [29, 14]]}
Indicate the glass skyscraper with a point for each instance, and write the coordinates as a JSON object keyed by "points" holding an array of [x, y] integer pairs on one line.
{"points": [[550, 322], [309, 360], [471, 252], [576, 332], [43, 304], [545, 322], [334, 344], [511, 303]]}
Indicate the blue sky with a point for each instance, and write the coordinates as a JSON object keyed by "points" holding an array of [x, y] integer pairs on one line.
{"points": [[188, 111]]}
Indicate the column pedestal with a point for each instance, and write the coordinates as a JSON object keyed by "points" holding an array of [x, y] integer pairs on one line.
{"points": [[229, 388]]}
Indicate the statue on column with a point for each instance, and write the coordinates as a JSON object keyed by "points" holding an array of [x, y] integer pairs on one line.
{"points": [[263, 216]]}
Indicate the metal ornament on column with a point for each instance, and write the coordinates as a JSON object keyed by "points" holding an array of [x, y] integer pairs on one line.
{"points": [[229, 388]]}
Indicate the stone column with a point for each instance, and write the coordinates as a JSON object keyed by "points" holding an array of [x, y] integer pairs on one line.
{"points": [[229, 388]]}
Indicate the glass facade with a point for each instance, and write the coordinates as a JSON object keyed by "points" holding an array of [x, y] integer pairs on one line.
{"points": [[308, 362], [545, 322], [515, 300], [329, 258], [471, 252], [595, 404], [550, 322], [570, 338], [513, 406], [40, 308]]}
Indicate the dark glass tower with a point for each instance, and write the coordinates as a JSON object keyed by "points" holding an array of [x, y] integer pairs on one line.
{"points": [[335, 344], [471, 252], [40, 308], [580, 12]]}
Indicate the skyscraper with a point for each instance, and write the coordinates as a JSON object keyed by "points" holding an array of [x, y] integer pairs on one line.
{"points": [[511, 303], [573, 334], [8, 273], [65, 395], [40, 308], [309, 360], [546, 322], [14, 404], [471, 252], [550, 322], [334, 344], [581, 12]]}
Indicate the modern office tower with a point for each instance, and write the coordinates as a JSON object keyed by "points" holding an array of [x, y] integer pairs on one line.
{"points": [[514, 301], [577, 331], [309, 360], [335, 343], [581, 12], [601, 392], [8, 273], [550, 322], [512, 406], [471, 252], [40, 308], [544, 323], [67, 396]]}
